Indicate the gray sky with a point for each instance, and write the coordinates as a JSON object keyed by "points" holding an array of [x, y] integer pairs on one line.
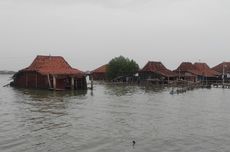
{"points": [[88, 33]]}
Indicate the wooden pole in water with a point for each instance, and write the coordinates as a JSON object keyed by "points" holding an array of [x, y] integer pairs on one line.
{"points": [[48, 77], [36, 80], [72, 83], [54, 82], [223, 76], [91, 82], [26, 80], [76, 84]]}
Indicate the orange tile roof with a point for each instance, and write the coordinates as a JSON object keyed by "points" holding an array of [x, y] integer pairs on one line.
{"points": [[101, 69], [219, 67], [201, 69], [158, 67], [204, 70], [187, 67], [52, 65]]}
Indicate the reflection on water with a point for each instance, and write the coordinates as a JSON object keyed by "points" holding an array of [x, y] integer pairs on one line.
{"points": [[44, 94], [129, 90], [111, 117], [120, 90]]}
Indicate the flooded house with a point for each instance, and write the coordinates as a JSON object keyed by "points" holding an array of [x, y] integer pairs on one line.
{"points": [[187, 71], [156, 73], [196, 72], [100, 73], [206, 73], [224, 70], [50, 72]]}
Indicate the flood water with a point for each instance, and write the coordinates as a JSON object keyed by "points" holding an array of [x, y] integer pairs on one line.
{"points": [[111, 117]]}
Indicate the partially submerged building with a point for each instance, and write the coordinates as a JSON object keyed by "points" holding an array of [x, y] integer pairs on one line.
{"points": [[223, 69], [187, 71], [50, 72], [100, 73], [196, 72], [205, 72], [156, 72]]}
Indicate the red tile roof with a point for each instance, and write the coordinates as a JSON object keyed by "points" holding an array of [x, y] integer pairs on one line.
{"points": [[204, 70], [158, 67], [187, 67], [201, 69], [52, 65], [101, 69], [219, 67]]}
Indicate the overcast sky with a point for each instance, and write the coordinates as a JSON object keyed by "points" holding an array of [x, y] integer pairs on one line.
{"points": [[88, 33]]}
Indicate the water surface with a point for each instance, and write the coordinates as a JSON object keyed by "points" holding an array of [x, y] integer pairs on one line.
{"points": [[111, 117]]}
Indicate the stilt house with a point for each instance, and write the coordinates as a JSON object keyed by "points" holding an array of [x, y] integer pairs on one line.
{"points": [[196, 72], [187, 71], [224, 70], [50, 72], [100, 73], [205, 72], [156, 72]]}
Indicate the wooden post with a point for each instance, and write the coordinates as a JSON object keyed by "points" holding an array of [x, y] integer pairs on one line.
{"points": [[91, 83], [72, 83], [26, 80], [223, 77], [36, 80], [54, 82], [82, 84], [48, 77], [76, 84]]}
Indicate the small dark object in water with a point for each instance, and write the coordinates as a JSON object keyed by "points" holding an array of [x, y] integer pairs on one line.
{"points": [[134, 142]]}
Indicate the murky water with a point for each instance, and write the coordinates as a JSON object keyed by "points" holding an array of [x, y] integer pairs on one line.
{"points": [[111, 117]]}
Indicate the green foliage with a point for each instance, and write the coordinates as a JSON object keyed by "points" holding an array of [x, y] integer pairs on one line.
{"points": [[121, 66]]}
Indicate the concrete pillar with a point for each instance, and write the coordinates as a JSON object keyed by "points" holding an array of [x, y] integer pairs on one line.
{"points": [[72, 83], [54, 82]]}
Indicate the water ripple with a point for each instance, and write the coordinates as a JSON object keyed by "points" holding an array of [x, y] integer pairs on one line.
{"points": [[110, 117]]}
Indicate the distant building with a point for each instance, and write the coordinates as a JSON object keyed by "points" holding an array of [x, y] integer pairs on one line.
{"points": [[205, 72], [100, 73], [156, 72], [50, 72], [196, 72], [223, 69], [187, 71]]}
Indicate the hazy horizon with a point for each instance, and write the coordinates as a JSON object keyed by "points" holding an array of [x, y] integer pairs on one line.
{"points": [[89, 33]]}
